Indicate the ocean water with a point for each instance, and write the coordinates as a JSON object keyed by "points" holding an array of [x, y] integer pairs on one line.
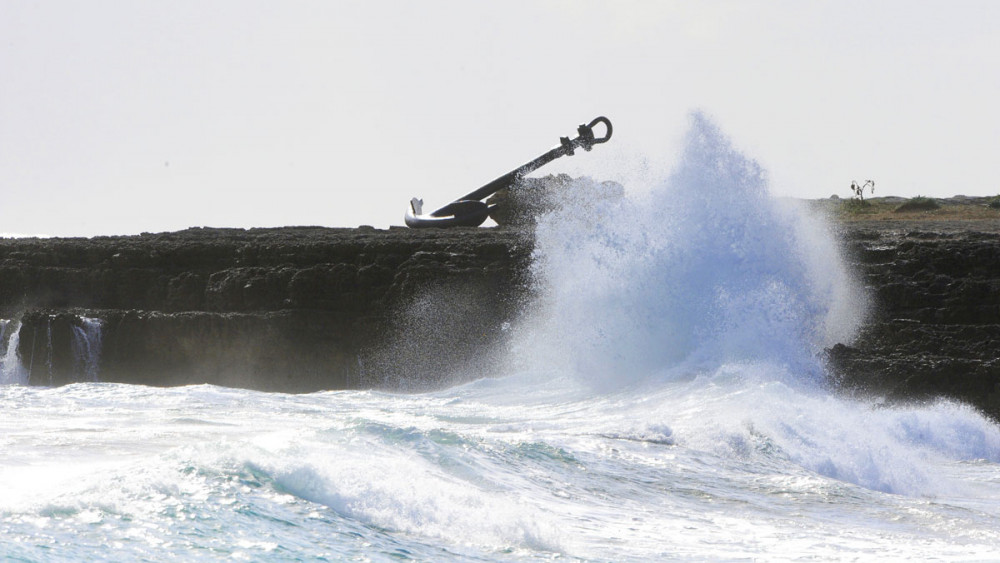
{"points": [[664, 400]]}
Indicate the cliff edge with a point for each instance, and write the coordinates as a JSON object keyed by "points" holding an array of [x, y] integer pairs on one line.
{"points": [[300, 309], [286, 309]]}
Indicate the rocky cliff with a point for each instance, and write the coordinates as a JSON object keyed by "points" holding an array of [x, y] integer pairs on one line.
{"points": [[289, 309], [935, 329], [301, 309]]}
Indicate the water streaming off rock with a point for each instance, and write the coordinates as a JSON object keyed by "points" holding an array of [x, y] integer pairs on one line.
{"points": [[86, 346], [83, 363], [11, 369]]}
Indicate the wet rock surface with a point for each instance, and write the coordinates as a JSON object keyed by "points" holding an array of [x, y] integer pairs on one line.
{"points": [[935, 327], [303, 309]]}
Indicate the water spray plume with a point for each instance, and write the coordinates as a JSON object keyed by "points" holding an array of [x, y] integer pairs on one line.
{"points": [[707, 268]]}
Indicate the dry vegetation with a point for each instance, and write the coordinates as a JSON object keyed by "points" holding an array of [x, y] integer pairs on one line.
{"points": [[958, 208]]}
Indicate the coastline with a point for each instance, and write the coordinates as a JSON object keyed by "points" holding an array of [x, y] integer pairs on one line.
{"points": [[299, 309]]}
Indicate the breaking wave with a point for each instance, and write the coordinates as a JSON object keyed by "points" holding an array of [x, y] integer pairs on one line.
{"points": [[707, 303]]}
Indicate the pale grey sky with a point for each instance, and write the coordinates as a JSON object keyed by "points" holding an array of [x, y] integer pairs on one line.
{"points": [[122, 117]]}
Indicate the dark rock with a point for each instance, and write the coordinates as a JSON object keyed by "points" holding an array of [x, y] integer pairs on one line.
{"points": [[308, 308], [937, 320], [292, 309]]}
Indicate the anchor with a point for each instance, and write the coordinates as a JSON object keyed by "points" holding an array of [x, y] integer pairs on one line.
{"points": [[470, 211]]}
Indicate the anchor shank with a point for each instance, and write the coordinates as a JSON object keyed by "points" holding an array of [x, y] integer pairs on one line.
{"points": [[469, 210], [513, 176]]}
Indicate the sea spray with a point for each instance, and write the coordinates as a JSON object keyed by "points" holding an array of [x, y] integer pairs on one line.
{"points": [[706, 269], [446, 333], [701, 310]]}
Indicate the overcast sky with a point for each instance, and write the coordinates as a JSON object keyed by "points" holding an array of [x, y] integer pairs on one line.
{"points": [[128, 116]]}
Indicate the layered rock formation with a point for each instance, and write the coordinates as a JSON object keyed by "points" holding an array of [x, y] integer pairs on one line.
{"points": [[936, 324], [290, 309], [302, 309]]}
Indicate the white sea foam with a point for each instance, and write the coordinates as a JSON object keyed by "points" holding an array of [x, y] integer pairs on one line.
{"points": [[715, 300], [704, 469]]}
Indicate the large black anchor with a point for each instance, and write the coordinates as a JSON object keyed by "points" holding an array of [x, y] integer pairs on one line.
{"points": [[469, 211]]}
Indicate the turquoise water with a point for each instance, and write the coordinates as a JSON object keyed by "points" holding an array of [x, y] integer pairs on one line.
{"points": [[663, 401], [709, 469]]}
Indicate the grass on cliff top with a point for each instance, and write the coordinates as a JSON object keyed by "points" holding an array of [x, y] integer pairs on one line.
{"points": [[958, 208], [918, 203]]}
